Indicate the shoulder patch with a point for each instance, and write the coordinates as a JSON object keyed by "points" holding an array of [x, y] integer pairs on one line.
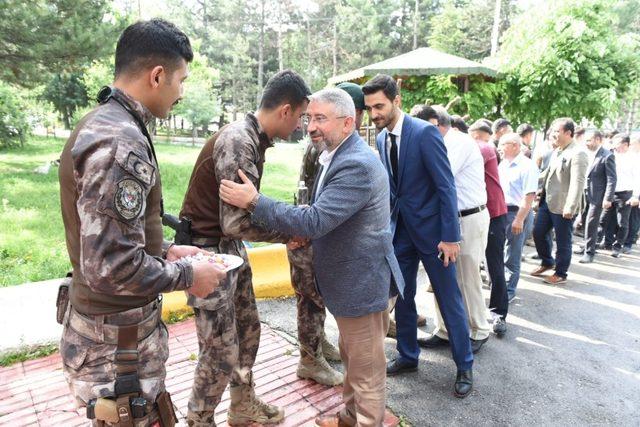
{"points": [[128, 199], [142, 169]]}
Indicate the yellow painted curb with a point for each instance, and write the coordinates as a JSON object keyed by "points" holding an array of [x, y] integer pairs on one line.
{"points": [[271, 279]]}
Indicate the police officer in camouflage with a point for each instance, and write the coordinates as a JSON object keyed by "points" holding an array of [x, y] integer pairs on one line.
{"points": [[227, 321], [315, 349], [114, 344]]}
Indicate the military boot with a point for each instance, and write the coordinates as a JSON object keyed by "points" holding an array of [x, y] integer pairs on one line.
{"points": [[247, 408], [200, 419], [315, 367], [329, 351]]}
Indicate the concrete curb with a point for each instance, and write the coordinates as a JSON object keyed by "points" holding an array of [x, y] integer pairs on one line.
{"points": [[29, 309], [271, 279]]}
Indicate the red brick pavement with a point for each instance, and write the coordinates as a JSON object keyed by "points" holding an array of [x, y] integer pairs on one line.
{"points": [[35, 392]]}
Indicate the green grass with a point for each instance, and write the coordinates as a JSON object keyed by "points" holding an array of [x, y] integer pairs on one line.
{"points": [[32, 243], [27, 353]]}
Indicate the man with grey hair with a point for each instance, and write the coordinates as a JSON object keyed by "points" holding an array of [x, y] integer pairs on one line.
{"points": [[353, 258], [467, 166], [519, 181]]}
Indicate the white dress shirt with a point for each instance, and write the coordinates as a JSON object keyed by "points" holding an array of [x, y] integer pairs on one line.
{"points": [[627, 175], [518, 178], [467, 166], [397, 131], [325, 160]]}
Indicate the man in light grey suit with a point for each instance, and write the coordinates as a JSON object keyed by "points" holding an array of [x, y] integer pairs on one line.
{"points": [[563, 184], [353, 258]]}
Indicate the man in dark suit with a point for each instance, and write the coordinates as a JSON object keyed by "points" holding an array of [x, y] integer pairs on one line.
{"points": [[601, 184], [353, 260], [424, 223]]}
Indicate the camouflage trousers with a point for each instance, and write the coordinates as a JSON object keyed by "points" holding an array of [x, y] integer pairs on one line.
{"points": [[311, 312], [228, 331], [88, 363]]}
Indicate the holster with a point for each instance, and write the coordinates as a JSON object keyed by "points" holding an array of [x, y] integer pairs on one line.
{"points": [[62, 300], [182, 227]]}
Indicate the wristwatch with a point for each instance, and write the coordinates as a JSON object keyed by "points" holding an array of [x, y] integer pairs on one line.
{"points": [[253, 203]]}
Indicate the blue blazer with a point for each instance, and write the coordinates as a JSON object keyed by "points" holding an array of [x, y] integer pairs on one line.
{"points": [[425, 196], [348, 222]]}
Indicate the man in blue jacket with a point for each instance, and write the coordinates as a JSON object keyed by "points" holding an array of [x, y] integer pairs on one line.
{"points": [[424, 223], [353, 260]]}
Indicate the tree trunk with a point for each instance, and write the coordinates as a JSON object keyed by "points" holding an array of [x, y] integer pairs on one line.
{"points": [[194, 135], [495, 32], [335, 47], [260, 51], [415, 25]]}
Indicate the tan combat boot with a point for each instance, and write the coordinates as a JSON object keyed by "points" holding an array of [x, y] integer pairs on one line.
{"points": [[247, 408], [316, 367], [200, 419], [329, 350]]}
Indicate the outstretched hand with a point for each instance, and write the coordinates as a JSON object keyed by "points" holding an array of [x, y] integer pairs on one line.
{"points": [[239, 195]]}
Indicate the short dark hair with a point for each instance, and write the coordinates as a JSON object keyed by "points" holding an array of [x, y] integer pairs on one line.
{"points": [[597, 134], [624, 138], [459, 123], [146, 44], [567, 124], [384, 83], [499, 124], [427, 113], [579, 131], [524, 129], [285, 87], [611, 133]]}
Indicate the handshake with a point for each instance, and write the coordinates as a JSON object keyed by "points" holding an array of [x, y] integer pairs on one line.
{"points": [[297, 243]]}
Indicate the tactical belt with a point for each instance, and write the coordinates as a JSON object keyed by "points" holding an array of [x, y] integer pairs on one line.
{"points": [[204, 242], [89, 328]]}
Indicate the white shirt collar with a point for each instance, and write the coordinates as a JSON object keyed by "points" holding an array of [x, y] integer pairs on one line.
{"points": [[326, 156]]}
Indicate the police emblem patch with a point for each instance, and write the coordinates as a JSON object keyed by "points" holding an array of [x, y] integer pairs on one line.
{"points": [[128, 198]]}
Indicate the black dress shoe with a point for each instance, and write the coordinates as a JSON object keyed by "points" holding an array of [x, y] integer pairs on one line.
{"points": [[432, 342], [398, 366], [476, 345], [464, 383]]}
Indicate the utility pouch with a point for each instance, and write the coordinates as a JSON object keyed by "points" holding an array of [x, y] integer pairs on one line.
{"points": [[62, 300], [165, 409]]}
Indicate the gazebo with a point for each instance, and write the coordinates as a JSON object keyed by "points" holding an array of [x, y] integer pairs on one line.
{"points": [[420, 62]]}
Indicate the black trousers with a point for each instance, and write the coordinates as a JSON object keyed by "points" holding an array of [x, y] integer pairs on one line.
{"points": [[618, 212], [634, 226], [591, 227], [499, 301]]}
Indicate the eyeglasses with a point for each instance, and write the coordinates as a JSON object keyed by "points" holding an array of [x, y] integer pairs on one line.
{"points": [[320, 120]]}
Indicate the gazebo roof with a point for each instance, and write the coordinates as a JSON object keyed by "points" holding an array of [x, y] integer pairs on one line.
{"points": [[420, 62]]}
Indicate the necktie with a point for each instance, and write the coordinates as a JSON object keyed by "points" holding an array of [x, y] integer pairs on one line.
{"points": [[393, 157]]}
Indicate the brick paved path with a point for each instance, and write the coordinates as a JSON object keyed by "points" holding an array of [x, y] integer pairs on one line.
{"points": [[35, 392]]}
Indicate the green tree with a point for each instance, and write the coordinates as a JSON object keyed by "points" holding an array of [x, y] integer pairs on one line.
{"points": [[39, 37], [66, 93], [566, 60], [14, 123], [200, 103], [463, 28]]}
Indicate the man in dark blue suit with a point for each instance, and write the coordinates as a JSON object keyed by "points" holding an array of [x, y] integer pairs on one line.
{"points": [[424, 223]]}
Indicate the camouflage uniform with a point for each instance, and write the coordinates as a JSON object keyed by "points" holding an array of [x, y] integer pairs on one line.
{"points": [[227, 320], [311, 312], [110, 195]]}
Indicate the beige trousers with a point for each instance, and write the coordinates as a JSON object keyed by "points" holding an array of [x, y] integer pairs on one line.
{"points": [[362, 351], [474, 229]]}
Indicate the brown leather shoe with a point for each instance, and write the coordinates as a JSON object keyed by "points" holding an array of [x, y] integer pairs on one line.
{"points": [[541, 270], [330, 421], [555, 280]]}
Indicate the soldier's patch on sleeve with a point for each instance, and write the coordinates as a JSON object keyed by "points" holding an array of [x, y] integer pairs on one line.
{"points": [[129, 198], [142, 169]]}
